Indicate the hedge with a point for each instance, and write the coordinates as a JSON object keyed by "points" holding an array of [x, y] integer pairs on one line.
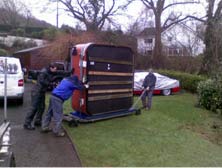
{"points": [[188, 81], [210, 95]]}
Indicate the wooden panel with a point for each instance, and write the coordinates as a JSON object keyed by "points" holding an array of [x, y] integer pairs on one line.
{"points": [[110, 52], [109, 82], [109, 67], [106, 97], [110, 61], [109, 91], [92, 78], [109, 73]]}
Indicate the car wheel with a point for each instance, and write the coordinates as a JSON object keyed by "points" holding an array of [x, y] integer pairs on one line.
{"points": [[166, 92]]}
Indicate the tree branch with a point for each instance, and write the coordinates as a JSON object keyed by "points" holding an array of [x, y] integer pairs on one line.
{"points": [[165, 26], [218, 11], [179, 3]]}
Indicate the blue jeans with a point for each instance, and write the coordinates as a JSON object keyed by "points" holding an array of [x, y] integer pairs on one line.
{"points": [[55, 111], [148, 94]]}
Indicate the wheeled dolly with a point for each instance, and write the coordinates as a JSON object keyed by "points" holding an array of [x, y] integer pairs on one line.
{"points": [[74, 118]]}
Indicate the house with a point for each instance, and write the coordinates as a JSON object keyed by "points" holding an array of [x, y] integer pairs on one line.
{"points": [[35, 58], [179, 40], [146, 41]]}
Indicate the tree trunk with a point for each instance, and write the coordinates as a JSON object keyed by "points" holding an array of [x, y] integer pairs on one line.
{"points": [[211, 60], [91, 27], [158, 59]]}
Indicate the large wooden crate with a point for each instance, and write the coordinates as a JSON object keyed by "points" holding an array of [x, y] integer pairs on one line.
{"points": [[108, 70]]}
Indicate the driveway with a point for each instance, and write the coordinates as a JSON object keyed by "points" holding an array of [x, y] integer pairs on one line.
{"points": [[34, 149]]}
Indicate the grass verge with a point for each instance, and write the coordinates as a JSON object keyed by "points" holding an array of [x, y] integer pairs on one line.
{"points": [[174, 133]]}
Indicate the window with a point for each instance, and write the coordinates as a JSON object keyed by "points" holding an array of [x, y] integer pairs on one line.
{"points": [[148, 41]]}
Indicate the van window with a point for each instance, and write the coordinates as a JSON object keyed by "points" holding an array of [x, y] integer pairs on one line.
{"points": [[12, 68]]}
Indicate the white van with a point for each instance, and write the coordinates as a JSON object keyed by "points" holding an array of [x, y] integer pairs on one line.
{"points": [[15, 78]]}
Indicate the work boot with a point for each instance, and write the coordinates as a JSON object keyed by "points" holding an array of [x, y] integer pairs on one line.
{"points": [[59, 134], [28, 127], [46, 130]]}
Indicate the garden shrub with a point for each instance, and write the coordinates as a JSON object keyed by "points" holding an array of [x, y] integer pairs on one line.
{"points": [[186, 64], [3, 52], [188, 81], [210, 95]]}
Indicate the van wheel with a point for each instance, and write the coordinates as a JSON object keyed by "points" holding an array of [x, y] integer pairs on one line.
{"points": [[20, 101]]}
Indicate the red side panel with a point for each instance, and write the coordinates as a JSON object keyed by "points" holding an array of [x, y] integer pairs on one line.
{"points": [[79, 97]]}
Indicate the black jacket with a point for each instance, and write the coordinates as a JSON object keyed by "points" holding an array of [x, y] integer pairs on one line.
{"points": [[150, 80], [44, 78]]}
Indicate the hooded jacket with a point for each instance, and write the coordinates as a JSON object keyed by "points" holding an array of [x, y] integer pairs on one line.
{"points": [[66, 87]]}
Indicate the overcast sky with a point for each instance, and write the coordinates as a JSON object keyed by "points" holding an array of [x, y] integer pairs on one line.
{"points": [[37, 10], [49, 15]]}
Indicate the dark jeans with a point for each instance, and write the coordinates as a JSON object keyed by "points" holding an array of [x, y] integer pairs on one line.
{"points": [[147, 103], [55, 110], [37, 108]]}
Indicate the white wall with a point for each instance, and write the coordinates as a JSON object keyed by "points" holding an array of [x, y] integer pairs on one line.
{"points": [[143, 47]]}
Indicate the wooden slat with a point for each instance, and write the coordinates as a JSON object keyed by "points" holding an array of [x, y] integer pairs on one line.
{"points": [[107, 97], [109, 73], [109, 91], [110, 61], [110, 82]]}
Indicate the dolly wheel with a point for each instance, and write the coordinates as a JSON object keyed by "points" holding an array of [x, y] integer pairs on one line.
{"points": [[73, 123], [138, 112]]}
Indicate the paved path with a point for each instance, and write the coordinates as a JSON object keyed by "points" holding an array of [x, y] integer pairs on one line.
{"points": [[34, 149]]}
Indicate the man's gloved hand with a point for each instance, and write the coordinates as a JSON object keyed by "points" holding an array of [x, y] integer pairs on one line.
{"points": [[146, 88], [86, 86]]}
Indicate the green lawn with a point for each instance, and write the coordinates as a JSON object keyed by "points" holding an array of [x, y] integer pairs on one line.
{"points": [[174, 133]]}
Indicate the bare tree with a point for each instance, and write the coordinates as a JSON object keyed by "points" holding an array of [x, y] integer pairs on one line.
{"points": [[213, 41], [12, 9], [144, 20], [93, 13], [158, 7]]}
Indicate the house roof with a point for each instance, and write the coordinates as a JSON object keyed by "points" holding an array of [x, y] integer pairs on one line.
{"points": [[30, 49], [150, 31]]}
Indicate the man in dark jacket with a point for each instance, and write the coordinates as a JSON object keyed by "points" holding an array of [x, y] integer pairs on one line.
{"points": [[148, 84], [38, 97], [60, 94]]}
